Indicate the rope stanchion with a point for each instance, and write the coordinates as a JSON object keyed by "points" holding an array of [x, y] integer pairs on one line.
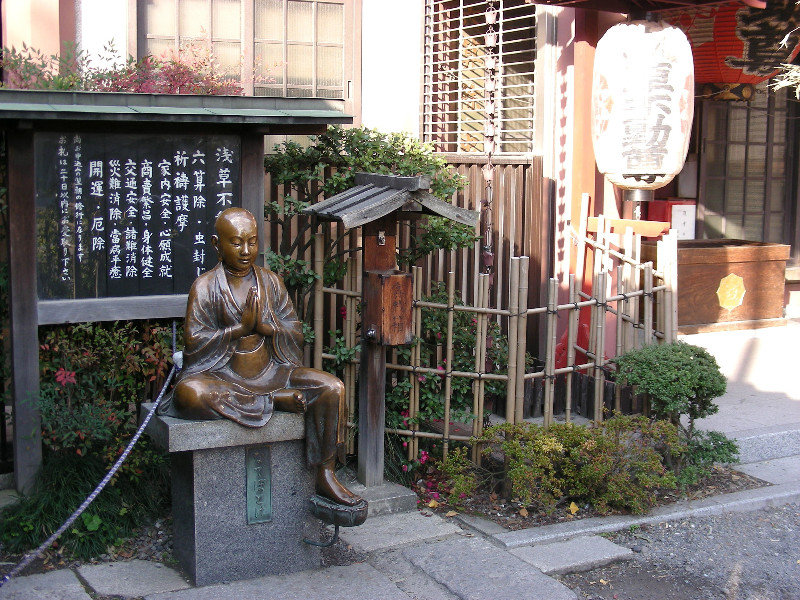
{"points": [[29, 558]]}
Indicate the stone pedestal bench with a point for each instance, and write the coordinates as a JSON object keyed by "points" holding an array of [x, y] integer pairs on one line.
{"points": [[239, 497]]}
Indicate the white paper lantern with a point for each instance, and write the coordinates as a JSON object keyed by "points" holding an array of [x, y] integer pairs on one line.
{"points": [[642, 103]]}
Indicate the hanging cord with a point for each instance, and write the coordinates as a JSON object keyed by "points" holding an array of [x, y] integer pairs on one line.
{"points": [[49, 541]]}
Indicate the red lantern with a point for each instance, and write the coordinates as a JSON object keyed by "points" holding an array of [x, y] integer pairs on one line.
{"points": [[734, 44], [642, 104]]}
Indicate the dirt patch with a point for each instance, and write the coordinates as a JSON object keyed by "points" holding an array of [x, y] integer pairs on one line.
{"points": [[512, 515]]}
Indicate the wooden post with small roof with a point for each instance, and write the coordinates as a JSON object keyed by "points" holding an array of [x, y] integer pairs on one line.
{"points": [[377, 203]]}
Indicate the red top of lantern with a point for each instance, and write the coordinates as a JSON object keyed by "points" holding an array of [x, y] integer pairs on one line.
{"points": [[732, 43]]}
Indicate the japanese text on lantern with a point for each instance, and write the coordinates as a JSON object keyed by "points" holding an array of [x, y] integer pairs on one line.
{"points": [[130, 215]]}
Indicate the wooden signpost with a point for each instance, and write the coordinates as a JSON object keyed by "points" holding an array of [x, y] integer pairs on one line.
{"points": [[111, 203]]}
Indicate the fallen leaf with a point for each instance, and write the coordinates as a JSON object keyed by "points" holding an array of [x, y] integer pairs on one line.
{"points": [[523, 512], [492, 496], [573, 508], [604, 582], [450, 513], [433, 504]]}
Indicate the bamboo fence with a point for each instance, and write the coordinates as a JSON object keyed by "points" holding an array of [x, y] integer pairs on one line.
{"points": [[627, 305]]}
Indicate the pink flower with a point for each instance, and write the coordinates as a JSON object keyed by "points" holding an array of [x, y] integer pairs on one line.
{"points": [[405, 444], [422, 379], [423, 457], [405, 468], [438, 335], [343, 312], [435, 495], [64, 377]]}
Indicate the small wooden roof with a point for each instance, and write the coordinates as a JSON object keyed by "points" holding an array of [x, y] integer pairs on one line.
{"points": [[375, 196]]}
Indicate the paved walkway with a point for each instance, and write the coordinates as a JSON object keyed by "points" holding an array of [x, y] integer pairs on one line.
{"points": [[423, 556]]}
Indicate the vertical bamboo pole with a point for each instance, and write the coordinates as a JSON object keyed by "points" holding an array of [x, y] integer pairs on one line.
{"points": [[659, 315], [417, 354], [599, 349], [550, 353], [637, 274], [522, 337], [671, 281], [480, 362], [513, 332], [412, 376], [580, 258], [627, 276], [483, 321], [620, 303], [648, 303], [448, 377], [572, 335], [319, 269]]}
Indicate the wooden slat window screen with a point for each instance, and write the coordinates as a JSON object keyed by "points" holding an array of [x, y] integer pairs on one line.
{"points": [[286, 48], [743, 175], [456, 82]]}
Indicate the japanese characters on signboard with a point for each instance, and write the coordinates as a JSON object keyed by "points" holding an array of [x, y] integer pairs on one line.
{"points": [[129, 214], [642, 103]]}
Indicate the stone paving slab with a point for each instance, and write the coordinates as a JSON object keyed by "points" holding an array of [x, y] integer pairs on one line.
{"points": [[55, 585], [132, 579], [474, 569], [389, 531], [582, 553], [482, 526], [776, 470], [353, 582]]}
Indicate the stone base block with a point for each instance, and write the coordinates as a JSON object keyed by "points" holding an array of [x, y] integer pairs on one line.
{"points": [[214, 541]]}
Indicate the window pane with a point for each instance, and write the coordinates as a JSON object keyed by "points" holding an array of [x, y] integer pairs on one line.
{"points": [[160, 18], [753, 227], [159, 48], [715, 160], [228, 58], [737, 125], [299, 93], [299, 65], [713, 226], [734, 195], [777, 195], [754, 198], [779, 129], [329, 66], [717, 123], [300, 26], [194, 19], [775, 228], [779, 159], [758, 126], [756, 161], [735, 160], [227, 19], [714, 192], [335, 93], [269, 64], [330, 23], [733, 227], [269, 20]]}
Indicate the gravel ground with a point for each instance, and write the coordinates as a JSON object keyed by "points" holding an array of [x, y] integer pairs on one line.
{"points": [[740, 556]]}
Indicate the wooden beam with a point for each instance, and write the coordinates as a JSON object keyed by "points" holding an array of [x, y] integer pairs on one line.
{"points": [[23, 312], [644, 228]]}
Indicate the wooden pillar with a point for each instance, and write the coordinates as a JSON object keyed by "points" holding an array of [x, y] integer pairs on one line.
{"points": [[252, 183], [378, 238], [23, 308]]}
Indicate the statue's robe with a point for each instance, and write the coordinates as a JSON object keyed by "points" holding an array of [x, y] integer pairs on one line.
{"points": [[246, 378]]}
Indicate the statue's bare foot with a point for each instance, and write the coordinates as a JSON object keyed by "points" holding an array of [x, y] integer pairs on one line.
{"points": [[329, 487], [290, 401]]}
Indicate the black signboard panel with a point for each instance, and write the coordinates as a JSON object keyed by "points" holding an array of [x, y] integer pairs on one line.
{"points": [[129, 214]]}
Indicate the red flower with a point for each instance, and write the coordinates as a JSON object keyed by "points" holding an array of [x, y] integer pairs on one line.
{"points": [[343, 312], [64, 377]]}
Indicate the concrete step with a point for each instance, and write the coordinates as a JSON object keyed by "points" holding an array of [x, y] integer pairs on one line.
{"points": [[774, 470], [766, 443]]}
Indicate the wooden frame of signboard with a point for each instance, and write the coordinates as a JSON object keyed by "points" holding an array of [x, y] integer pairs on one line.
{"points": [[23, 115]]}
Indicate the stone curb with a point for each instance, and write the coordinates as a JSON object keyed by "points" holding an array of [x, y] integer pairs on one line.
{"points": [[745, 501]]}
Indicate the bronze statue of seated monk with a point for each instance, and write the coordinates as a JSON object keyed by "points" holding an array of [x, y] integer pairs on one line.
{"points": [[242, 356]]}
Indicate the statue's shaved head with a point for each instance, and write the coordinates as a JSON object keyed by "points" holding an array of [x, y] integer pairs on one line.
{"points": [[233, 215]]}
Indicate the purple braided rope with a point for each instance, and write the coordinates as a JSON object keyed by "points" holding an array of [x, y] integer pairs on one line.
{"points": [[49, 541]]}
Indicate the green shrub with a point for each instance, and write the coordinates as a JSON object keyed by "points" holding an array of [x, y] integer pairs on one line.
{"points": [[93, 376], [680, 382], [458, 475], [616, 464]]}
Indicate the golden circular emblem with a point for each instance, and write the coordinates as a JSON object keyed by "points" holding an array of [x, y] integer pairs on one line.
{"points": [[731, 291]]}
